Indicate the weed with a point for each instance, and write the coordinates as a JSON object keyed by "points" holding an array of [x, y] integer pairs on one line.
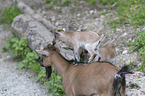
{"points": [[29, 60], [132, 63], [55, 85], [47, 1], [19, 48], [41, 75], [8, 14], [66, 2]]}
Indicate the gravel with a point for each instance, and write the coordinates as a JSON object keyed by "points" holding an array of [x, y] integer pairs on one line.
{"points": [[15, 82]]}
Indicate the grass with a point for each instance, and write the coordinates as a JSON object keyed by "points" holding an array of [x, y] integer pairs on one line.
{"points": [[131, 12], [59, 2], [92, 2], [105, 2], [139, 45], [103, 13], [66, 2], [55, 85], [8, 14]]}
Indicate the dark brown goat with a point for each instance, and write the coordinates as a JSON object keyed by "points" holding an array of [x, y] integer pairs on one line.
{"points": [[100, 78]]}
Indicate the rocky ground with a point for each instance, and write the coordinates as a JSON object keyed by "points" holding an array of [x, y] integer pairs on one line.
{"points": [[15, 82], [80, 18]]}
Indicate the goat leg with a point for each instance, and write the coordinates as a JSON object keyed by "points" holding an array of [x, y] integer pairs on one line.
{"points": [[75, 62], [92, 58], [76, 55]]}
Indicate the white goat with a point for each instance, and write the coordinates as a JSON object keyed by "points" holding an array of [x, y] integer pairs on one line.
{"points": [[88, 40]]}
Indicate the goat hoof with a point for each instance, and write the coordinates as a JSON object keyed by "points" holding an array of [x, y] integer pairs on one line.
{"points": [[76, 64], [85, 64]]}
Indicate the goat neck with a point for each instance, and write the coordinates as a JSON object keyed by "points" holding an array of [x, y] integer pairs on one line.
{"points": [[59, 63]]}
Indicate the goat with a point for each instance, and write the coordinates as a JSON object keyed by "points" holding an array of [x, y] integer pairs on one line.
{"points": [[108, 52], [88, 40], [102, 78]]}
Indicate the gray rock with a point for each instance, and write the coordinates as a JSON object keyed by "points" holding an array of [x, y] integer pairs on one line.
{"points": [[28, 10], [25, 8], [36, 33], [47, 23]]}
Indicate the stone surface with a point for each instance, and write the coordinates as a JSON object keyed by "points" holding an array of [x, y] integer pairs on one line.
{"points": [[25, 8], [36, 33], [28, 10]]}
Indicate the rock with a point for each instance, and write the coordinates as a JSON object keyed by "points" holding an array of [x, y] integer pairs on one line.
{"points": [[124, 52], [66, 50], [67, 53], [91, 11], [28, 10], [25, 8], [124, 34], [47, 23], [36, 33]]}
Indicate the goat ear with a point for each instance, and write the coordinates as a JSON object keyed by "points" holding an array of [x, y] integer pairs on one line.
{"points": [[42, 52]]}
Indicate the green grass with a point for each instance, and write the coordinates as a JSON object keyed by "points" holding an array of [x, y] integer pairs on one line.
{"points": [[8, 14], [55, 85], [91, 2], [47, 1], [105, 2], [66, 2], [139, 45], [131, 12]]}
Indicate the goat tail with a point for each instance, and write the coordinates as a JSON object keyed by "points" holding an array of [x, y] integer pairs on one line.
{"points": [[119, 79]]}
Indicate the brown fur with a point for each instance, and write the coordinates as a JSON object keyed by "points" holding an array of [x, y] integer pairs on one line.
{"points": [[82, 80], [108, 52]]}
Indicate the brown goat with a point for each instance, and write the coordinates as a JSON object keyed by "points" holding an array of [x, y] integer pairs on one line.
{"points": [[100, 78], [108, 52]]}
